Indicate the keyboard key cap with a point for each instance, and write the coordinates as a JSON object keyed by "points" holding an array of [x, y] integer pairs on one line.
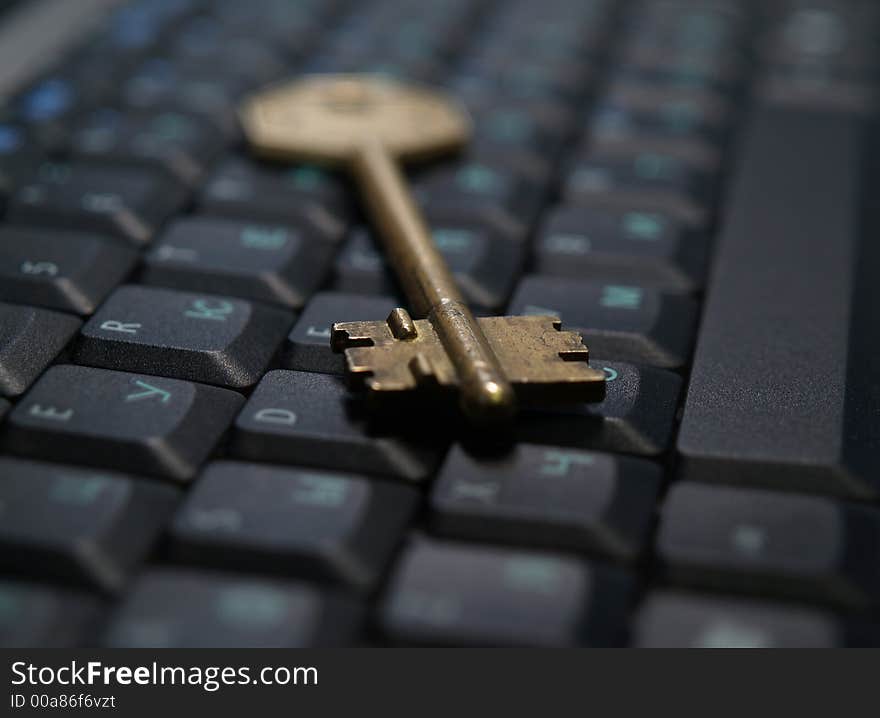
{"points": [[618, 321], [618, 133], [182, 144], [170, 608], [142, 424], [202, 337], [484, 265], [251, 191], [360, 268], [308, 419], [673, 108], [713, 72], [35, 616], [548, 496], [524, 80], [206, 42], [450, 593], [636, 417], [308, 344], [76, 524], [302, 522], [29, 340], [783, 391], [69, 271], [162, 84], [512, 127], [774, 543], [127, 202], [270, 263], [479, 186], [626, 247], [483, 217], [849, 32], [699, 156], [680, 620], [649, 181]]}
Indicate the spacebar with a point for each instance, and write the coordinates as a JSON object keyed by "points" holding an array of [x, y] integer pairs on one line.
{"points": [[784, 390]]}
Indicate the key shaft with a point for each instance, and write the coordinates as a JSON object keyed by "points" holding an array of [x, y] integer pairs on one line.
{"points": [[486, 394]]}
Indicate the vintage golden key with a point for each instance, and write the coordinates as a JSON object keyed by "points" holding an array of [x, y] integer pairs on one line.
{"points": [[370, 125]]}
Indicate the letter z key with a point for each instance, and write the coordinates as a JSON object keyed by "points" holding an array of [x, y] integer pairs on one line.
{"points": [[369, 125]]}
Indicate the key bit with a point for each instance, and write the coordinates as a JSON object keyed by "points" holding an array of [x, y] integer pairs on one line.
{"points": [[543, 363], [370, 125]]}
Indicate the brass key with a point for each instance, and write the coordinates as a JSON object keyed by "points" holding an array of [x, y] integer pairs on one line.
{"points": [[370, 125]]}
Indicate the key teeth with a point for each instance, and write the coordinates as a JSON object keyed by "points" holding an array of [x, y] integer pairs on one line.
{"points": [[573, 341], [345, 335], [573, 355]]}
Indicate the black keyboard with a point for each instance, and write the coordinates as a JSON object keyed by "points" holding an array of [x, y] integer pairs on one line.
{"points": [[692, 184]]}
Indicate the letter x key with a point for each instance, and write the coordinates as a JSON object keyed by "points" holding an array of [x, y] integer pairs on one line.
{"points": [[369, 125]]}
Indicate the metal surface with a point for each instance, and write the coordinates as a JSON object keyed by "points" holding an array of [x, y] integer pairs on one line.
{"points": [[330, 119], [369, 125], [543, 363]]}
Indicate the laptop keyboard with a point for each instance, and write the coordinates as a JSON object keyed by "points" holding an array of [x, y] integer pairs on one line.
{"points": [[182, 464]]}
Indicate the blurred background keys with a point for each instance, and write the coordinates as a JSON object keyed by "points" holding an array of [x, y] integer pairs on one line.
{"points": [[456, 593], [278, 264], [183, 145], [40, 616], [129, 203], [252, 191], [130, 422], [625, 247], [485, 265], [76, 524], [669, 619], [176, 608], [650, 182], [278, 520]]}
